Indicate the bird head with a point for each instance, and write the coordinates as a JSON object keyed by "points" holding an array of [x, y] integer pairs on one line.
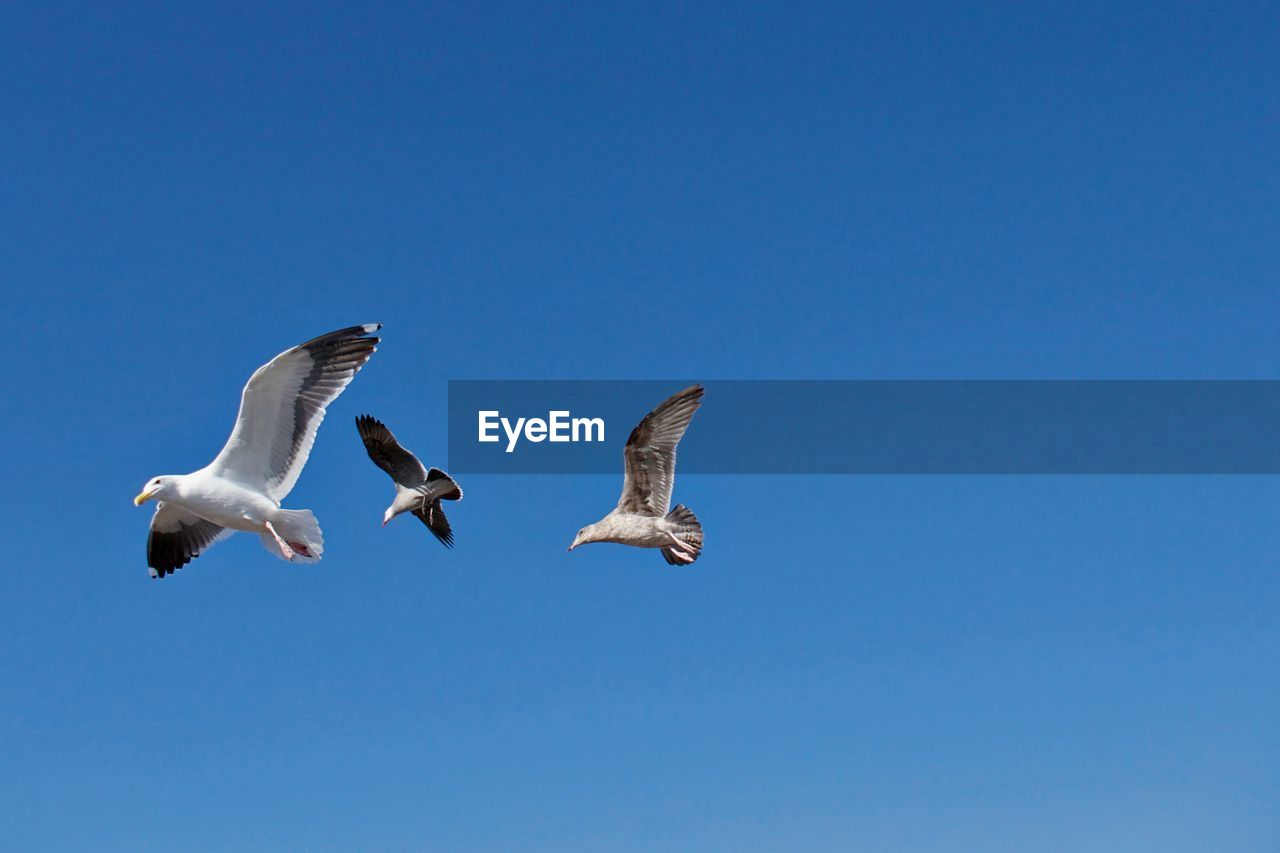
{"points": [[158, 488], [590, 533], [388, 515]]}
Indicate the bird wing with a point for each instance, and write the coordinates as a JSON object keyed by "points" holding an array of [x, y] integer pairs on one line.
{"points": [[282, 407], [650, 454], [387, 453], [177, 537], [430, 514]]}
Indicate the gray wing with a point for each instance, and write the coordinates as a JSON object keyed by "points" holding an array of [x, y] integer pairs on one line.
{"points": [[431, 514], [387, 453], [650, 454], [177, 537], [282, 407]]}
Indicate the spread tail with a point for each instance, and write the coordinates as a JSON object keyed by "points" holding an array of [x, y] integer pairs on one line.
{"points": [[442, 487], [688, 530], [300, 531]]}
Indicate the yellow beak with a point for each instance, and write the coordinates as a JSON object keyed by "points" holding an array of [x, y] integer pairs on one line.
{"points": [[142, 498]]}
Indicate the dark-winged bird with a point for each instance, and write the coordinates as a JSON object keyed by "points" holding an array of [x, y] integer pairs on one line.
{"points": [[641, 517], [418, 490]]}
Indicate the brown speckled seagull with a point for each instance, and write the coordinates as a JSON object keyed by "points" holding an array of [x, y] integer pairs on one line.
{"points": [[641, 518]]}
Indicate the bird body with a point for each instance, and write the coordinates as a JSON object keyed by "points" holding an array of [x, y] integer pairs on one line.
{"points": [[281, 409], [641, 518], [221, 501], [407, 500], [632, 528]]}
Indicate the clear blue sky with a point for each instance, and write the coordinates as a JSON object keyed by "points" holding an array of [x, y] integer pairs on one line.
{"points": [[638, 191]]}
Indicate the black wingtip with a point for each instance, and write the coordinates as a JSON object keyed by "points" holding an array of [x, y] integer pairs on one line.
{"points": [[437, 522], [356, 337], [367, 423]]}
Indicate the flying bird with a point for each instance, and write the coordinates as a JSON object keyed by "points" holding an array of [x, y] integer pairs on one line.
{"points": [[641, 517], [418, 490], [281, 408]]}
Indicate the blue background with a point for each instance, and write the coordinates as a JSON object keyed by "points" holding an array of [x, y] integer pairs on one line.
{"points": [[633, 191]]}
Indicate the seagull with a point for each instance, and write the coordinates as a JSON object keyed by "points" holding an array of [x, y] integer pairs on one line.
{"points": [[280, 410], [641, 517], [418, 490]]}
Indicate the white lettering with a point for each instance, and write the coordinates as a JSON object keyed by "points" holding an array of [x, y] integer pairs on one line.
{"points": [[559, 421], [559, 426], [513, 435], [587, 424], [485, 425]]}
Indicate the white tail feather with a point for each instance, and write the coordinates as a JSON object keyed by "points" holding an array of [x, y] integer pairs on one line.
{"points": [[300, 530]]}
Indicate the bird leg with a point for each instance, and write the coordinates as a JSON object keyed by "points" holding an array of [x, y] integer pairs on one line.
{"points": [[680, 557], [285, 550], [681, 548]]}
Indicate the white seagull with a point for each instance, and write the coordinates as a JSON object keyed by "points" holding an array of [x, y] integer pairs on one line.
{"points": [[280, 410], [417, 490], [641, 517]]}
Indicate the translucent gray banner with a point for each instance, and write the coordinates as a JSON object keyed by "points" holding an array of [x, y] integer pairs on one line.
{"points": [[877, 427]]}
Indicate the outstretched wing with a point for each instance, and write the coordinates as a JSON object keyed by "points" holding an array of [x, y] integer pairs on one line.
{"points": [[387, 453], [282, 407], [432, 516], [650, 454], [177, 537]]}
